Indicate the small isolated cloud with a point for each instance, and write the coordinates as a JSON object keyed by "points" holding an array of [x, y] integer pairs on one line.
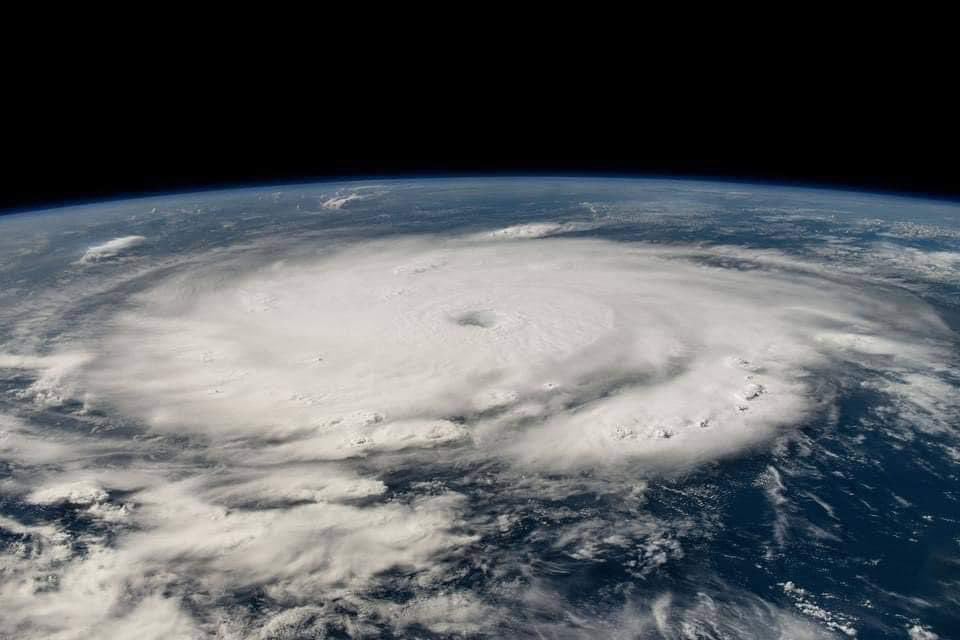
{"points": [[535, 230], [916, 632], [337, 202], [111, 249]]}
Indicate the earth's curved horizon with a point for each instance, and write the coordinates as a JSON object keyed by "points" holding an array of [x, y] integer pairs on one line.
{"points": [[482, 407]]}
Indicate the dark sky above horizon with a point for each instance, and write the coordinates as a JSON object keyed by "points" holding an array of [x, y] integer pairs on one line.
{"points": [[73, 151], [130, 114]]}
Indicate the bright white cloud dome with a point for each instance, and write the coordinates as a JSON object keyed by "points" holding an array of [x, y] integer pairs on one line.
{"points": [[549, 351]]}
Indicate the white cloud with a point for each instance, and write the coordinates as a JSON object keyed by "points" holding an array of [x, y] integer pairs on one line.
{"points": [[111, 248], [731, 614], [309, 552], [296, 622], [19, 443], [806, 604], [153, 618], [448, 613], [338, 202], [605, 351], [936, 266], [292, 484], [892, 261], [52, 384], [535, 230], [77, 493], [916, 632], [275, 402]]}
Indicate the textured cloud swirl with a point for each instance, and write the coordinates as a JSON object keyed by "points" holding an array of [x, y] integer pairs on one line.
{"points": [[275, 401], [554, 353]]}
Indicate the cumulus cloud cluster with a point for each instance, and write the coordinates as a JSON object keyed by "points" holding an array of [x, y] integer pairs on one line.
{"points": [[272, 403]]}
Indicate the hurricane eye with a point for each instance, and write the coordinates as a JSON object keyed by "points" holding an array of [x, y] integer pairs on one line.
{"points": [[481, 318]]}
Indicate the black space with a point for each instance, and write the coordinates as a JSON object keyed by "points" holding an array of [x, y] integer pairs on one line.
{"points": [[76, 142]]}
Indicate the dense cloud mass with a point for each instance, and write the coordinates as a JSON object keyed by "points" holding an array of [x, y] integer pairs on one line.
{"points": [[553, 353], [269, 406]]}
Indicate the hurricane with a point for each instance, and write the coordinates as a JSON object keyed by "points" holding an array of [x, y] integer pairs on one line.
{"points": [[545, 408]]}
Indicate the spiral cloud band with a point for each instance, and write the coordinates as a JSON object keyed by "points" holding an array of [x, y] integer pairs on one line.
{"points": [[548, 352], [275, 398]]}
